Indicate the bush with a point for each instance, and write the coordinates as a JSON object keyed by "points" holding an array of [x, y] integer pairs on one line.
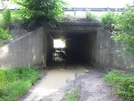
{"points": [[6, 18], [4, 37], [107, 20], [123, 84], [124, 30], [4, 34], [89, 15]]}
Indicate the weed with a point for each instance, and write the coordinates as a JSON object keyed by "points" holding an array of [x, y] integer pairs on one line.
{"points": [[15, 82], [4, 37], [71, 96], [108, 19], [89, 15], [123, 83]]}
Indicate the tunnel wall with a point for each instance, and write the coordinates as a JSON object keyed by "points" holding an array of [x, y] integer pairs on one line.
{"points": [[83, 46], [28, 50], [106, 55], [49, 49]]}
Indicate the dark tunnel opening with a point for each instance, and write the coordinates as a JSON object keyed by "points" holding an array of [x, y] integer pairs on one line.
{"points": [[79, 46]]}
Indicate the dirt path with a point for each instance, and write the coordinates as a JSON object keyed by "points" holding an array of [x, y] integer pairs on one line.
{"points": [[91, 84]]}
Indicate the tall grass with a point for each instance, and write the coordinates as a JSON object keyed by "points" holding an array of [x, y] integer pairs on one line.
{"points": [[123, 84], [15, 82]]}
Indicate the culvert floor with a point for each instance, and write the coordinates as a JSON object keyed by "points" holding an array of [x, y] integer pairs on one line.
{"points": [[60, 78]]}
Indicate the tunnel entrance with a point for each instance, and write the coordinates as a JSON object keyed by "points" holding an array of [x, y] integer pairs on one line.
{"points": [[77, 45]]}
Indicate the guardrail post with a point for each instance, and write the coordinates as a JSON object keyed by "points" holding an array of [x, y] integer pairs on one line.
{"points": [[74, 11]]}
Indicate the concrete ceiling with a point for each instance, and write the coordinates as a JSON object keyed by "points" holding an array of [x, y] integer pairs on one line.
{"points": [[66, 34]]}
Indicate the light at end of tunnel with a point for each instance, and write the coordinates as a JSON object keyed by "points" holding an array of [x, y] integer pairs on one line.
{"points": [[58, 43]]}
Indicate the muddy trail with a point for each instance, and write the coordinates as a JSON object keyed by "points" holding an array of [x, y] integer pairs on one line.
{"points": [[65, 75]]}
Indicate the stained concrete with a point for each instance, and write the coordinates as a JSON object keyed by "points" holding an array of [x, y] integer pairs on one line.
{"points": [[106, 52], [92, 43], [27, 50], [86, 40]]}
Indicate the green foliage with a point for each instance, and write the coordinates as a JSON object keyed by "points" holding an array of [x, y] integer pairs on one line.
{"points": [[71, 96], [4, 37], [89, 15], [107, 20], [123, 84], [35, 12], [6, 18], [16, 16], [15, 82], [4, 34], [124, 30]]}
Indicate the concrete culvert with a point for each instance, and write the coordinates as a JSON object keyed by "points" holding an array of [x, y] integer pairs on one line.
{"points": [[82, 44]]}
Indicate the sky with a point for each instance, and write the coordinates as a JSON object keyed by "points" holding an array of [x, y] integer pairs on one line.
{"points": [[99, 3]]}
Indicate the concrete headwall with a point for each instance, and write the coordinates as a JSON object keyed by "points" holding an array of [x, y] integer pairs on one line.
{"points": [[28, 50], [106, 55]]}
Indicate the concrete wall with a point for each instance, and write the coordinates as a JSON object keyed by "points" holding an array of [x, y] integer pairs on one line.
{"points": [[49, 50], [36, 48], [106, 55], [25, 51]]}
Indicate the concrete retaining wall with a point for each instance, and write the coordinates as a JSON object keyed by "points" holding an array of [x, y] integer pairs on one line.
{"points": [[106, 55], [25, 51]]}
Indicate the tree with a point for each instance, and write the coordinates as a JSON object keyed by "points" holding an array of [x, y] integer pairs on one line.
{"points": [[34, 12], [125, 30]]}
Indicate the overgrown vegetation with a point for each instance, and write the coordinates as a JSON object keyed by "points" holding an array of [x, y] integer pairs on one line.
{"points": [[16, 81], [4, 36], [35, 12], [123, 84], [6, 15], [108, 19], [89, 15], [124, 32], [71, 95], [32, 14], [5, 26]]}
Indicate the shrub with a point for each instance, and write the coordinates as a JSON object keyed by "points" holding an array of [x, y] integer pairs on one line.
{"points": [[4, 34], [123, 84], [89, 15], [6, 18], [107, 20], [124, 33]]}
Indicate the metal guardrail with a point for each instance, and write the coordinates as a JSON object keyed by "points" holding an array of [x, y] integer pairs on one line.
{"points": [[84, 9], [94, 9], [74, 10]]}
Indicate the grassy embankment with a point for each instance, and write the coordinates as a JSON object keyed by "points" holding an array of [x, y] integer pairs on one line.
{"points": [[123, 83], [15, 82]]}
